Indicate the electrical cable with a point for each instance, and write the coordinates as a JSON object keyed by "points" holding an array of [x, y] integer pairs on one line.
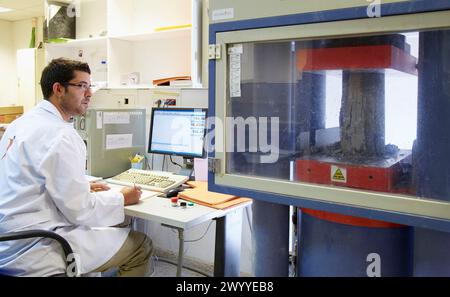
{"points": [[148, 163], [174, 163], [202, 235]]}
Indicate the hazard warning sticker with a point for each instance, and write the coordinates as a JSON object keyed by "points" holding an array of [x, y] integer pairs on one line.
{"points": [[338, 174]]}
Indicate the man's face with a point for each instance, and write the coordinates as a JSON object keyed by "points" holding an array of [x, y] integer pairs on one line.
{"points": [[77, 95]]}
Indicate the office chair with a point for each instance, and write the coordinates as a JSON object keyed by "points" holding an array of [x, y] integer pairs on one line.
{"points": [[44, 234]]}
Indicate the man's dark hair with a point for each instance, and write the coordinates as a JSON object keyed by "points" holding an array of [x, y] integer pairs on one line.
{"points": [[60, 71]]}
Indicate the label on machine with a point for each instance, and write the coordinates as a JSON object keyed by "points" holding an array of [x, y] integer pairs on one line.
{"points": [[338, 174]]}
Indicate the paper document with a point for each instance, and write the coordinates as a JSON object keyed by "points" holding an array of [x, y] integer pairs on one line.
{"points": [[235, 53], [145, 193], [116, 118], [93, 178], [117, 141], [222, 14], [201, 169], [99, 119]]}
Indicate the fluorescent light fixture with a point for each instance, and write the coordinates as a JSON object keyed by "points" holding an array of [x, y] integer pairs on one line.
{"points": [[4, 9]]}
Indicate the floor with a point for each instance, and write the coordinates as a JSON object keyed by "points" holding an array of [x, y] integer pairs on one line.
{"points": [[163, 269]]}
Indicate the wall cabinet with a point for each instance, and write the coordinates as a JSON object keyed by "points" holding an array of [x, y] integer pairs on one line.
{"points": [[29, 68]]}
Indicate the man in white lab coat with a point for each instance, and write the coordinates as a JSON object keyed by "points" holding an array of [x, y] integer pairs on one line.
{"points": [[43, 186]]}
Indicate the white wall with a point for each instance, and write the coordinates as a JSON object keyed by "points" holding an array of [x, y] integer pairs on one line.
{"points": [[21, 34], [29, 93], [14, 36], [8, 91], [205, 43]]}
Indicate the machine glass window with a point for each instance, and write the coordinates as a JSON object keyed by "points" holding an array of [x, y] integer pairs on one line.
{"points": [[364, 112]]}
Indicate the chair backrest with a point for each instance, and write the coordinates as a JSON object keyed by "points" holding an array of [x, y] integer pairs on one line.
{"points": [[68, 252]]}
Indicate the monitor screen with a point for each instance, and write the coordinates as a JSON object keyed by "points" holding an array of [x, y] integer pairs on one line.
{"points": [[178, 131]]}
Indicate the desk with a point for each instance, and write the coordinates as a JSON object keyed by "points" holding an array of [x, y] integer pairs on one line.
{"points": [[228, 228]]}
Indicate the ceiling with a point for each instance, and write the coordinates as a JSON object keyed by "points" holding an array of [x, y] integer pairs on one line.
{"points": [[23, 9]]}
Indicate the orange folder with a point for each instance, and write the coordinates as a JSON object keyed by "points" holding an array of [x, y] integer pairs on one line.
{"points": [[199, 194], [166, 81]]}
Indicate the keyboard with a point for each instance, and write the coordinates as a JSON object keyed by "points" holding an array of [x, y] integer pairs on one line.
{"points": [[159, 181]]}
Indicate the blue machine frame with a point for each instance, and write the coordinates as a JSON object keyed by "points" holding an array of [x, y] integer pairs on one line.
{"points": [[391, 9]]}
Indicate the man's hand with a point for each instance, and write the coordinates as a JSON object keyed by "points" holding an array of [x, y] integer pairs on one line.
{"points": [[99, 187], [131, 194]]}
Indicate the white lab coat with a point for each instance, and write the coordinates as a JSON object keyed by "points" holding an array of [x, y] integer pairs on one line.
{"points": [[43, 186]]}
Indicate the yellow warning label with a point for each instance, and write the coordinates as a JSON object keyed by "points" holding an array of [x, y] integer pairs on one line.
{"points": [[338, 174]]}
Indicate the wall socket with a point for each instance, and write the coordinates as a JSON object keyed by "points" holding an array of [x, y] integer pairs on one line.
{"points": [[125, 101]]}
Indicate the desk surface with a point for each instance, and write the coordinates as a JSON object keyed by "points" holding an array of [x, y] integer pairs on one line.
{"points": [[159, 209]]}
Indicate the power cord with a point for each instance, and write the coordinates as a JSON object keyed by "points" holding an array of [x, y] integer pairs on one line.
{"points": [[200, 238], [174, 163], [148, 162], [207, 229]]}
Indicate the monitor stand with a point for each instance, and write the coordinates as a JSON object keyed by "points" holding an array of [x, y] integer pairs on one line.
{"points": [[188, 168]]}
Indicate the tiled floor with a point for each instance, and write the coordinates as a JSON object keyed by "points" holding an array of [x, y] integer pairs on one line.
{"points": [[163, 269]]}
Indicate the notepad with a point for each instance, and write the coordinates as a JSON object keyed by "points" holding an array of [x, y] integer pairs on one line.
{"points": [[145, 193]]}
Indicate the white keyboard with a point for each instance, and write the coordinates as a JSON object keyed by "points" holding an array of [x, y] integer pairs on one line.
{"points": [[159, 181]]}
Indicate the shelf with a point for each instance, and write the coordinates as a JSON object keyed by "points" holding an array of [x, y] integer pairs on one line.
{"points": [[147, 87], [129, 87], [174, 33], [76, 43], [149, 37]]}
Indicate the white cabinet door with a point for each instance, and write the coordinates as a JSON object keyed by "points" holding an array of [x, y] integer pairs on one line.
{"points": [[30, 63], [26, 75]]}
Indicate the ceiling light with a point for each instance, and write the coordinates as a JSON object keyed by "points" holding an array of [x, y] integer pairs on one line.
{"points": [[4, 9]]}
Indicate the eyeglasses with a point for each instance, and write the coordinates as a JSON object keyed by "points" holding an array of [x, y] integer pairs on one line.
{"points": [[83, 86]]}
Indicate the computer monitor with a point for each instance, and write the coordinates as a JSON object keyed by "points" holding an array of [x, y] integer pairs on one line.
{"points": [[178, 132]]}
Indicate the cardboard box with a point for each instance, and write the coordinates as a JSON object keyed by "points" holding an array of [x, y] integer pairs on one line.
{"points": [[10, 113]]}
